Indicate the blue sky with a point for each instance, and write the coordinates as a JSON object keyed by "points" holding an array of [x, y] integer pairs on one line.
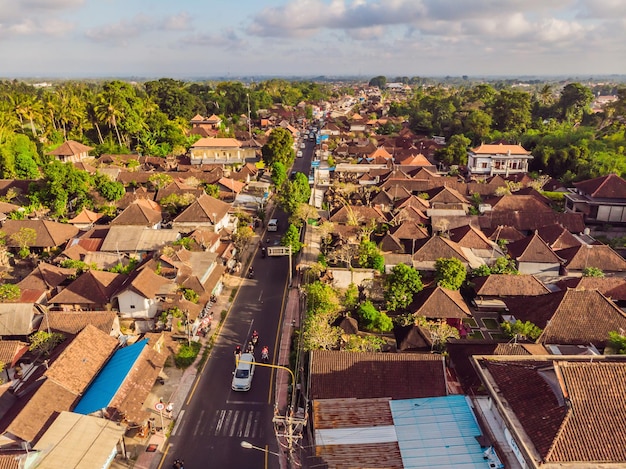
{"points": [[193, 38]]}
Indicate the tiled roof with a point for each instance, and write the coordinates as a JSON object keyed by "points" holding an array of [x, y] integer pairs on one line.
{"points": [[73, 322], [613, 288], [469, 237], [519, 203], [410, 229], [570, 317], [92, 287], [571, 410], [520, 349], [593, 431], [141, 212], [11, 350], [362, 213], [508, 285], [446, 195], [70, 148], [351, 412], [82, 359], [215, 142], [412, 200], [531, 398], [86, 216], [45, 277], [500, 149], [371, 375], [204, 209], [49, 233], [557, 237], [532, 249], [605, 187], [600, 256], [439, 303], [146, 283], [436, 247], [67, 378], [529, 220], [504, 232], [411, 213], [460, 352]]}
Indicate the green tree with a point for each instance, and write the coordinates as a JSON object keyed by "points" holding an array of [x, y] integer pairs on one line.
{"points": [[592, 272], [242, 236], [213, 190], [450, 273], [279, 147], [511, 111], [110, 190], [372, 319], [321, 298], [455, 152], [618, 342], [295, 193], [357, 343], [370, 256], [279, 174], [24, 238], [379, 81], [504, 265], [574, 99], [440, 332], [292, 238], [402, 283], [350, 297], [9, 292], [45, 342], [160, 180], [319, 332], [521, 330]]}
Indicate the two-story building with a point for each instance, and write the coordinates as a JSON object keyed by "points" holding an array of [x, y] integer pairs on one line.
{"points": [[600, 200], [487, 160], [216, 150]]}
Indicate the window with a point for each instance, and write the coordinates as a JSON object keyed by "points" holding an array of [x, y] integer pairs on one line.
{"points": [[132, 306], [483, 165]]}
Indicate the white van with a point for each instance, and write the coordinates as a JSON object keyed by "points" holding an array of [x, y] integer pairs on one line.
{"points": [[272, 225], [243, 374]]}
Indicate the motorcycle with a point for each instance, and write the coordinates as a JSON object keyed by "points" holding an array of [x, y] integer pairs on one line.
{"points": [[178, 464], [250, 273], [254, 340], [265, 354], [263, 252]]}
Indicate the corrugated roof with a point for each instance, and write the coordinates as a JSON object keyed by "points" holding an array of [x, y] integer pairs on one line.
{"points": [[437, 432], [101, 391]]}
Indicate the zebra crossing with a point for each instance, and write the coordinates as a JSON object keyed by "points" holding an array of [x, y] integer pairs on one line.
{"points": [[236, 423]]}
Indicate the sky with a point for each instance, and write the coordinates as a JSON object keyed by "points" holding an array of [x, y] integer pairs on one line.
{"points": [[234, 38]]}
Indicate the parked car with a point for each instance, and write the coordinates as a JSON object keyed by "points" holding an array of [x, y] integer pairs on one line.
{"points": [[303, 145], [299, 154], [244, 372]]}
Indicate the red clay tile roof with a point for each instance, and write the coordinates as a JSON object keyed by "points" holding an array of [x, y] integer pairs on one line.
{"points": [[49, 233], [500, 149], [141, 212], [11, 351], [362, 214], [439, 303], [204, 209], [532, 249], [508, 285], [593, 431], [519, 203], [92, 287], [531, 398], [570, 317], [605, 187], [70, 148], [436, 247], [371, 375], [600, 256], [613, 288], [411, 213], [75, 321], [86, 216], [529, 220], [557, 237], [469, 237]]}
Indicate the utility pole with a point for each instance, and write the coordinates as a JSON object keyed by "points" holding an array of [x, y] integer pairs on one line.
{"points": [[249, 123]]}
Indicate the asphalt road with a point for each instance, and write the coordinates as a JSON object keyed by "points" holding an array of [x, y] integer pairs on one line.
{"points": [[216, 419]]}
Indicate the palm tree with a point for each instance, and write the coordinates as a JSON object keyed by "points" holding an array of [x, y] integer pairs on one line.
{"points": [[107, 110]]}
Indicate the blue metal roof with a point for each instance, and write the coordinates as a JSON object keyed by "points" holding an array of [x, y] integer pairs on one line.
{"points": [[110, 378], [438, 432]]}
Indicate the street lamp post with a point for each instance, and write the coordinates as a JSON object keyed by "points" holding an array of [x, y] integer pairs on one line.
{"points": [[248, 445]]}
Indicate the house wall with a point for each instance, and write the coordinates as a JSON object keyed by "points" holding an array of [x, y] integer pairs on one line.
{"points": [[342, 278], [133, 305], [225, 155]]}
